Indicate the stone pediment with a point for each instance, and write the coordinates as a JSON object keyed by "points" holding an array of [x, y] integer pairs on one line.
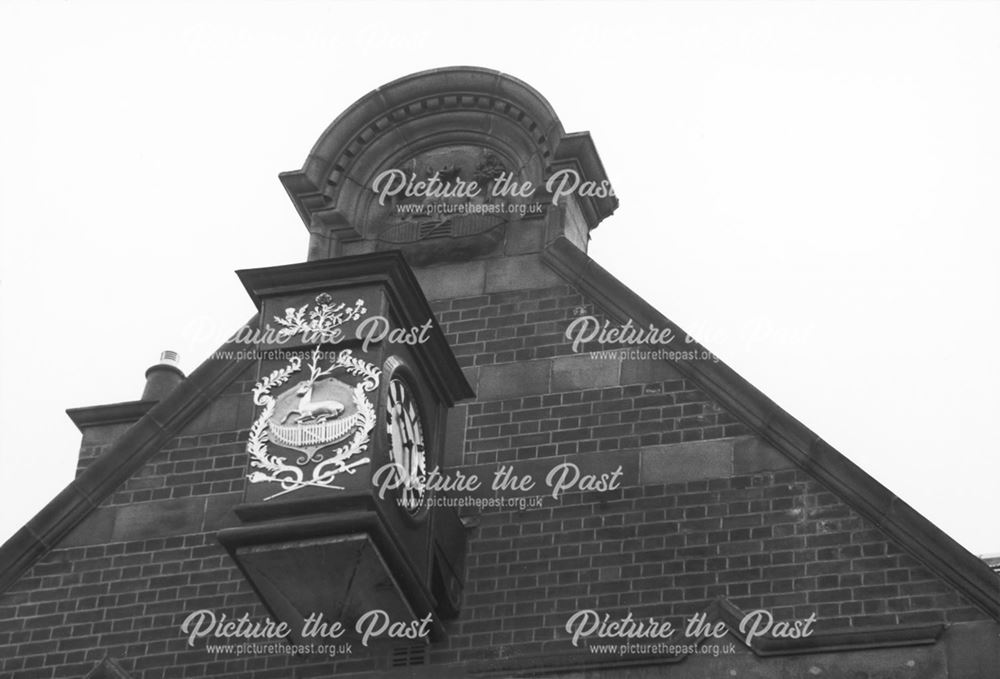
{"points": [[394, 171]]}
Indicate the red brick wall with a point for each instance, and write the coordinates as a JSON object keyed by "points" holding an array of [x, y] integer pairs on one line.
{"points": [[766, 538], [606, 419]]}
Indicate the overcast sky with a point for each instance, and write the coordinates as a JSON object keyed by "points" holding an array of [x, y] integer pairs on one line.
{"points": [[810, 189]]}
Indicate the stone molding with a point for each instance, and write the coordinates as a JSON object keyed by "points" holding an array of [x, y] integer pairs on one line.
{"points": [[456, 105]]}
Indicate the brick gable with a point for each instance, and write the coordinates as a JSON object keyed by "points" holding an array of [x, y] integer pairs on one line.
{"points": [[711, 512]]}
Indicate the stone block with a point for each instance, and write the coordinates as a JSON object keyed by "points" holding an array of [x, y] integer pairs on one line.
{"points": [[219, 511], [145, 520], [752, 455], [973, 649], [912, 662], [513, 379], [99, 435], [592, 464], [96, 529], [572, 373], [679, 462], [472, 377], [519, 273], [575, 227], [523, 237], [452, 280], [645, 372]]}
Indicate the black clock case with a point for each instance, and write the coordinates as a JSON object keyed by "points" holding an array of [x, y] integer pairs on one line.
{"points": [[304, 551]]}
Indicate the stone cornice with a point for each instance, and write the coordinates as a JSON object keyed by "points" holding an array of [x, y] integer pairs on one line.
{"points": [[126, 412]]}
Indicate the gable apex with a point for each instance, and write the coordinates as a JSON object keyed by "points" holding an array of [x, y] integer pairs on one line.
{"points": [[456, 126]]}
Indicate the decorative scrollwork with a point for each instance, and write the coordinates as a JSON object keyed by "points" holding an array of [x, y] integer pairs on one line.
{"points": [[344, 459], [323, 318]]}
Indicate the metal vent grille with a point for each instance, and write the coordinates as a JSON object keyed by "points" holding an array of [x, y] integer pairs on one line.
{"points": [[407, 656]]}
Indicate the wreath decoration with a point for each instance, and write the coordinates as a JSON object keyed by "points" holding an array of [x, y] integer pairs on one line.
{"points": [[343, 460]]}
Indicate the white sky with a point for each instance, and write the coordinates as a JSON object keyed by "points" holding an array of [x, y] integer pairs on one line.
{"points": [[811, 189]]}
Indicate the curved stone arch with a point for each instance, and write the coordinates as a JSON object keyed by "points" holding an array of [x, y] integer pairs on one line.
{"points": [[356, 199], [431, 93], [458, 105]]}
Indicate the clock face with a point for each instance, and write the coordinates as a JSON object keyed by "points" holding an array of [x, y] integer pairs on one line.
{"points": [[406, 443]]}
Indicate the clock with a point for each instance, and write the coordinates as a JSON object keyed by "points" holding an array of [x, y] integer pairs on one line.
{"points": [[406, 444], [332, 509]]}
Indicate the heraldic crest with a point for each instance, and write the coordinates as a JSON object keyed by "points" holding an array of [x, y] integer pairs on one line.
{"points": [[327, 421]]}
